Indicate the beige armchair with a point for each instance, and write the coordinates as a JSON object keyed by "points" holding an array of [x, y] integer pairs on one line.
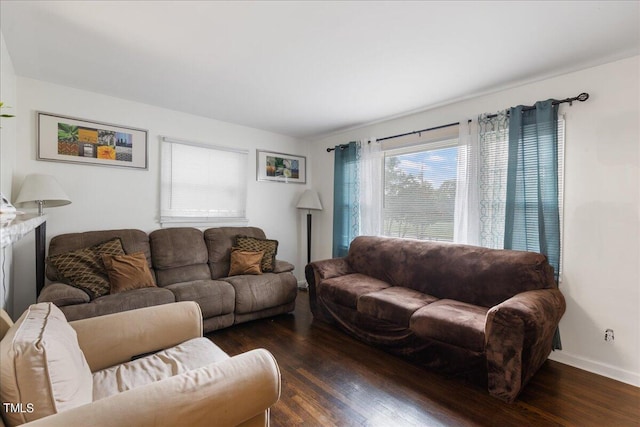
{"points": [[89, 372]]}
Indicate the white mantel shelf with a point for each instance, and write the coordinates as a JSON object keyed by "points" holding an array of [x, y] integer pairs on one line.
{"points": [[19, 227]]}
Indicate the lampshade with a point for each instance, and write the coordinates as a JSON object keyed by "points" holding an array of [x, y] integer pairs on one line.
{"points": [[309, 200], [38, 190]]}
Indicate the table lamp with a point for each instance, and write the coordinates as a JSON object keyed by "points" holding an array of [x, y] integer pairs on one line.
{"points": [[40, 191]]}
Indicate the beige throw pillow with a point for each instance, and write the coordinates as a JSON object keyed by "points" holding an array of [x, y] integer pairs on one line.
{"points": [[128, 272], [245, 262], [42, 365]]}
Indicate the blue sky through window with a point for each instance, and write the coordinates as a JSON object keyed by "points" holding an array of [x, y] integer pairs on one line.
{"points": [[435, 166]]}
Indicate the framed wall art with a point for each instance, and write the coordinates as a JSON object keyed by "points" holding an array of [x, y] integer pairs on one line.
{"points": [[73, 140], [280, 167]]}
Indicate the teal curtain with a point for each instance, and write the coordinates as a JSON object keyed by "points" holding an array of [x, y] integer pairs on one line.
{"points": [[345, 198], [532, 217]]}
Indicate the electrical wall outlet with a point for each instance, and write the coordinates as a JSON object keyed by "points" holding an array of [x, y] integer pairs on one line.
{"points": [[608, 335]]}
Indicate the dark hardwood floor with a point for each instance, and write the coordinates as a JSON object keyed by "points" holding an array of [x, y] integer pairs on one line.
{"points": [[331, 379]]}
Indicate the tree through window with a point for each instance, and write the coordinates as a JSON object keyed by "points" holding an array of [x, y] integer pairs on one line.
{"points": [[420, 191]]}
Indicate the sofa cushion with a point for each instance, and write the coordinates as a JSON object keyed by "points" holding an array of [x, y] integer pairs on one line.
{"points": [[215, 297], [267, 246], [116, 303], [219, 241], [395, 304], [179, 255], [255, 293], [84, 268], [189, 355], [345, 290], [128, 272], [245, 262], [452, 322], [177, 247], [42, 364]]}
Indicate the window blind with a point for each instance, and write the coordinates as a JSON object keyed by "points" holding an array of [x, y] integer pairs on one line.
{"points": [[202, 183]]}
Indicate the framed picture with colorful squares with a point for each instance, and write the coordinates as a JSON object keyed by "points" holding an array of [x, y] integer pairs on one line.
{"points": [[73, 140]]}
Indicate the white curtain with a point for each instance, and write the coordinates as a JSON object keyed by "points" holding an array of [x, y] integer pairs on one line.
{"points": [[482, 181], [493, 142], [467, 207], [371, 185]]}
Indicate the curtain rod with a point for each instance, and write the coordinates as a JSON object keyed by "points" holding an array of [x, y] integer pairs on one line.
{"points": [[343, 146], [582, 97]]}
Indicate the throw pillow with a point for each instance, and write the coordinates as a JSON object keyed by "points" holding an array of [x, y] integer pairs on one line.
{"points": [[245, 262], [270, 248], [84, 269], [128, 272]]}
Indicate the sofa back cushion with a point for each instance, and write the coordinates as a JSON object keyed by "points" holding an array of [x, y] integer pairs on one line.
{"points": [[219, 242], [42, 366], [132, 241], [179, 255], [85, 269], [470, 274]]}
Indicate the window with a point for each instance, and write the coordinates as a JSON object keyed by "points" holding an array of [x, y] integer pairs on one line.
{"points": [[420, 178], [202, 183], [420, 191]]}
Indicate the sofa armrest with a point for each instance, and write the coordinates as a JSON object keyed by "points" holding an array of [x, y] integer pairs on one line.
{"points": [[518, 339], [327, 269], [117, 338], [318, 271], [62, 294], [283, 267], [227, 393]]}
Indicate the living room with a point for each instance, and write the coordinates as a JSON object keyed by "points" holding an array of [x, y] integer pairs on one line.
{"points": [[601, 237]]}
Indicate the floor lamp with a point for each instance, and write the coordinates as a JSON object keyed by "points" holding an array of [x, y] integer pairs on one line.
{"points": [[309, 200]]}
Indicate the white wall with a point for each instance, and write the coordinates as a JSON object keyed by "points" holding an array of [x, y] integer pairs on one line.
{"points": [[107, 197], [601, 280], [8, 156]]}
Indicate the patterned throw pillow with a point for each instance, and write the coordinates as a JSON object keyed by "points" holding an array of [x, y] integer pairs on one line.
{"points": [[270, 248], [84, 269]]}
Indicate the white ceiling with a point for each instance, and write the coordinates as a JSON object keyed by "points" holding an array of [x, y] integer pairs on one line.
{"points": [[310, 68]]}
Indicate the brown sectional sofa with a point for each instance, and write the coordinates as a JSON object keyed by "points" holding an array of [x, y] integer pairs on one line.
{"points": [[188, 265], [487, 314]]}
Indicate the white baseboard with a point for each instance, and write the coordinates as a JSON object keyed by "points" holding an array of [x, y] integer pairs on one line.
{"points": [[302, 284], [599, 368]]}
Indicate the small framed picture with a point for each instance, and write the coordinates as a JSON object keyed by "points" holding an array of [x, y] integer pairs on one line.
{"points": [[280, 167], [73, 140]]}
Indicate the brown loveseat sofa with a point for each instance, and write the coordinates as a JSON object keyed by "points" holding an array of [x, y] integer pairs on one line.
{"points": [[486, 313], [187, 265]]}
